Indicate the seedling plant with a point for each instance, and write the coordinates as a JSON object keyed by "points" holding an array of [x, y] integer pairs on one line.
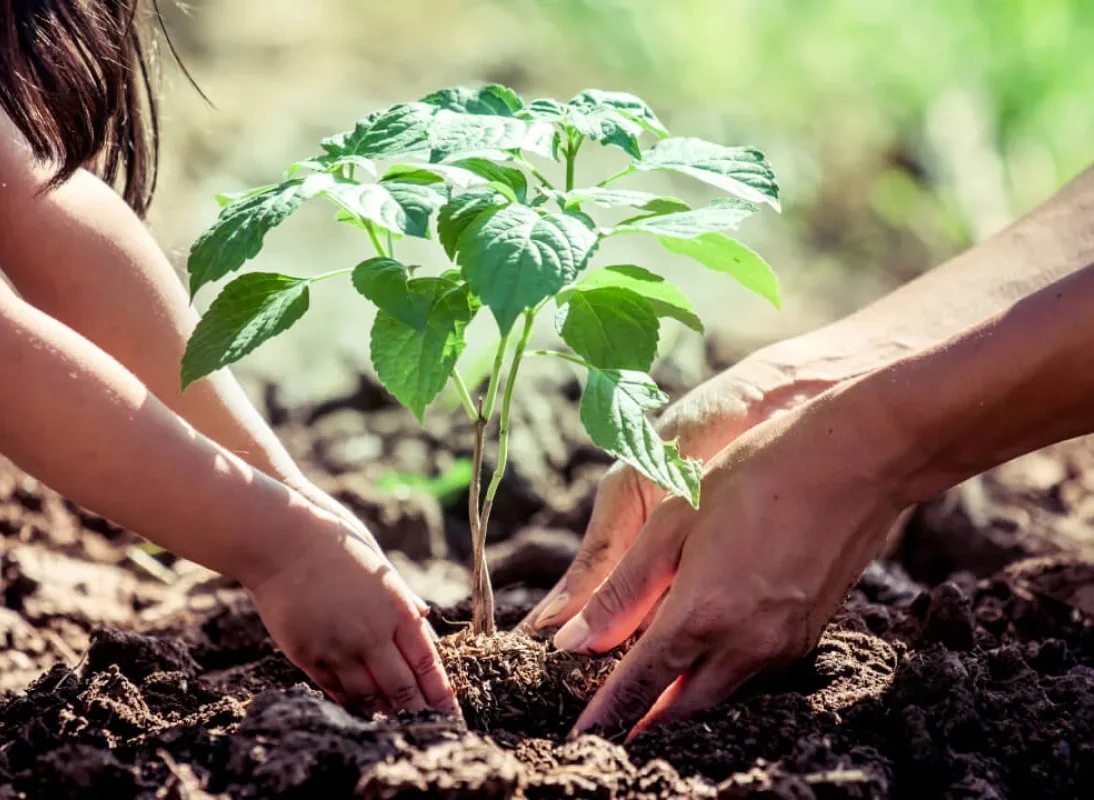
{"points": [[461, 167]]}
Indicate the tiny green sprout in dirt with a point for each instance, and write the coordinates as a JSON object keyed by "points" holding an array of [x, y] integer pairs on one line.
{"points": [[460, 165]]}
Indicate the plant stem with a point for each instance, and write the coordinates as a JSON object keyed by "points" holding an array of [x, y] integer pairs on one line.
{"points": [[375, 239], [621, 174], [571, 156], [482, 593], [503, 427], [390, 244], [331, 274], [495, 376], [564, 356], [465, 396], [529, 166]]}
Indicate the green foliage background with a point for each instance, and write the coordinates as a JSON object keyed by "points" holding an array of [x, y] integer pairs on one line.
{"points": [[901, 132]]}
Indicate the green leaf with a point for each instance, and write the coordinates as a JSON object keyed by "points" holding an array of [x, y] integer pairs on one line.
{"points": [[628, 105], [384, 281], [610, 198], [741, 171], [351, 142], [610, 327], [401, 206], [490, 99], [453, 134], [614, 118], [241, 226], [252, 309], [724, 214], [414, 365], [493, 172], [664, 297], [434, 173], [613, 411], [461, 211], [722, 254], [513, 258], [227, 198], [401, 131], [545, 109]]}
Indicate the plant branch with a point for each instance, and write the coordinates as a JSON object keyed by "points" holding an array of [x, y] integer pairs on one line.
{"points": [[331, 274], [621, 174], [564, 356], [531, 168], [495, 376], [375, 239], [465, 396], [503, 427], [482, 593]]}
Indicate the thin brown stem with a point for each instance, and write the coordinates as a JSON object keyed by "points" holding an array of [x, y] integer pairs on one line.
{"points": [[482, 593]]}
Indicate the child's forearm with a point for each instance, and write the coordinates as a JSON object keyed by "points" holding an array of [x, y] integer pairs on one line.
{"points": [[75, 418], [84, 258]]}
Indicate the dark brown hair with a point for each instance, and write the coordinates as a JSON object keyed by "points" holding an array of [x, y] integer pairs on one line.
{"points": [[75, 79]]}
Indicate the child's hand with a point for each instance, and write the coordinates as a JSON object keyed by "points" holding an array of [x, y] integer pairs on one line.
{"points": [[342, 614]]}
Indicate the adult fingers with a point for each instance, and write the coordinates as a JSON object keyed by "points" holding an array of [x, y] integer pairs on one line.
{"points": [[706, 685], [635, 685], [395, 680], [622, 601], [619, 512], [358, 690], [413, 641]]}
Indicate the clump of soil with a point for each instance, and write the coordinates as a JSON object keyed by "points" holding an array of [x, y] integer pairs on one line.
{"points": [[514, 684]]}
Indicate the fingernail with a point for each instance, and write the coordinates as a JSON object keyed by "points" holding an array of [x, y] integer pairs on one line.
{"points": [[573, 635], [552, 610]]}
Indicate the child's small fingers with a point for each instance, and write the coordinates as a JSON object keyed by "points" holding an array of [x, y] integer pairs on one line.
{"points": [[358, 689], [395, 679], [421, 655]]}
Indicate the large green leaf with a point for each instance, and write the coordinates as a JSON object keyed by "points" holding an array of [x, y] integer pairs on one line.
{"points": [[514, 258], [414, 365], [722, 254], [241, 226], [398, 205], [453, 134], [401, 131], [252, 309], [723, 214], [664, 297], [613, 411], [490, 99], [611, 198], [384, 282], [610, 327], [461, 211], [741, 171], [351, 143]]}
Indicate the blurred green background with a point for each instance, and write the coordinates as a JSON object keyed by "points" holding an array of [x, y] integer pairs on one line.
{"points": [[901, 132]]}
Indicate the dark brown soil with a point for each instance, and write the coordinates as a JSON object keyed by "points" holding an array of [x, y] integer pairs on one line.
{"points": [[128, 676]]}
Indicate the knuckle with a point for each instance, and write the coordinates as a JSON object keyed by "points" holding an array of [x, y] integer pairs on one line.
{"points": [[423, 665], [611, 599], [404, 694]]}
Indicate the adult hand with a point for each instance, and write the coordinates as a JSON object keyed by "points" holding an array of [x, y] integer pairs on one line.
{"points": [[342, 614], [792, 512], [705, 421]]}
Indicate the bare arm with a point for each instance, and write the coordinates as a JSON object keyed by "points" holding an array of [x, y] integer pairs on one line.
{"points": [[82, 256]]}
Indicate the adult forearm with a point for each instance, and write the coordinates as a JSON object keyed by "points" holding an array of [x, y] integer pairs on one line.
{"points": [[1018, 381], [76, 419], [1052, 241]]}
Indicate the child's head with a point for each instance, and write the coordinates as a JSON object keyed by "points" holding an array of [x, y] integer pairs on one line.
{"points": [[74, 79]]}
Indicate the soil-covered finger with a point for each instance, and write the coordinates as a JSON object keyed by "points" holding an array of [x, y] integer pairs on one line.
{"points": [[417, 647], [395, 679]]}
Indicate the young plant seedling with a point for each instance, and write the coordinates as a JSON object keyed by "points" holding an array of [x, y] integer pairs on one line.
{"points": [[459, 166]]}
